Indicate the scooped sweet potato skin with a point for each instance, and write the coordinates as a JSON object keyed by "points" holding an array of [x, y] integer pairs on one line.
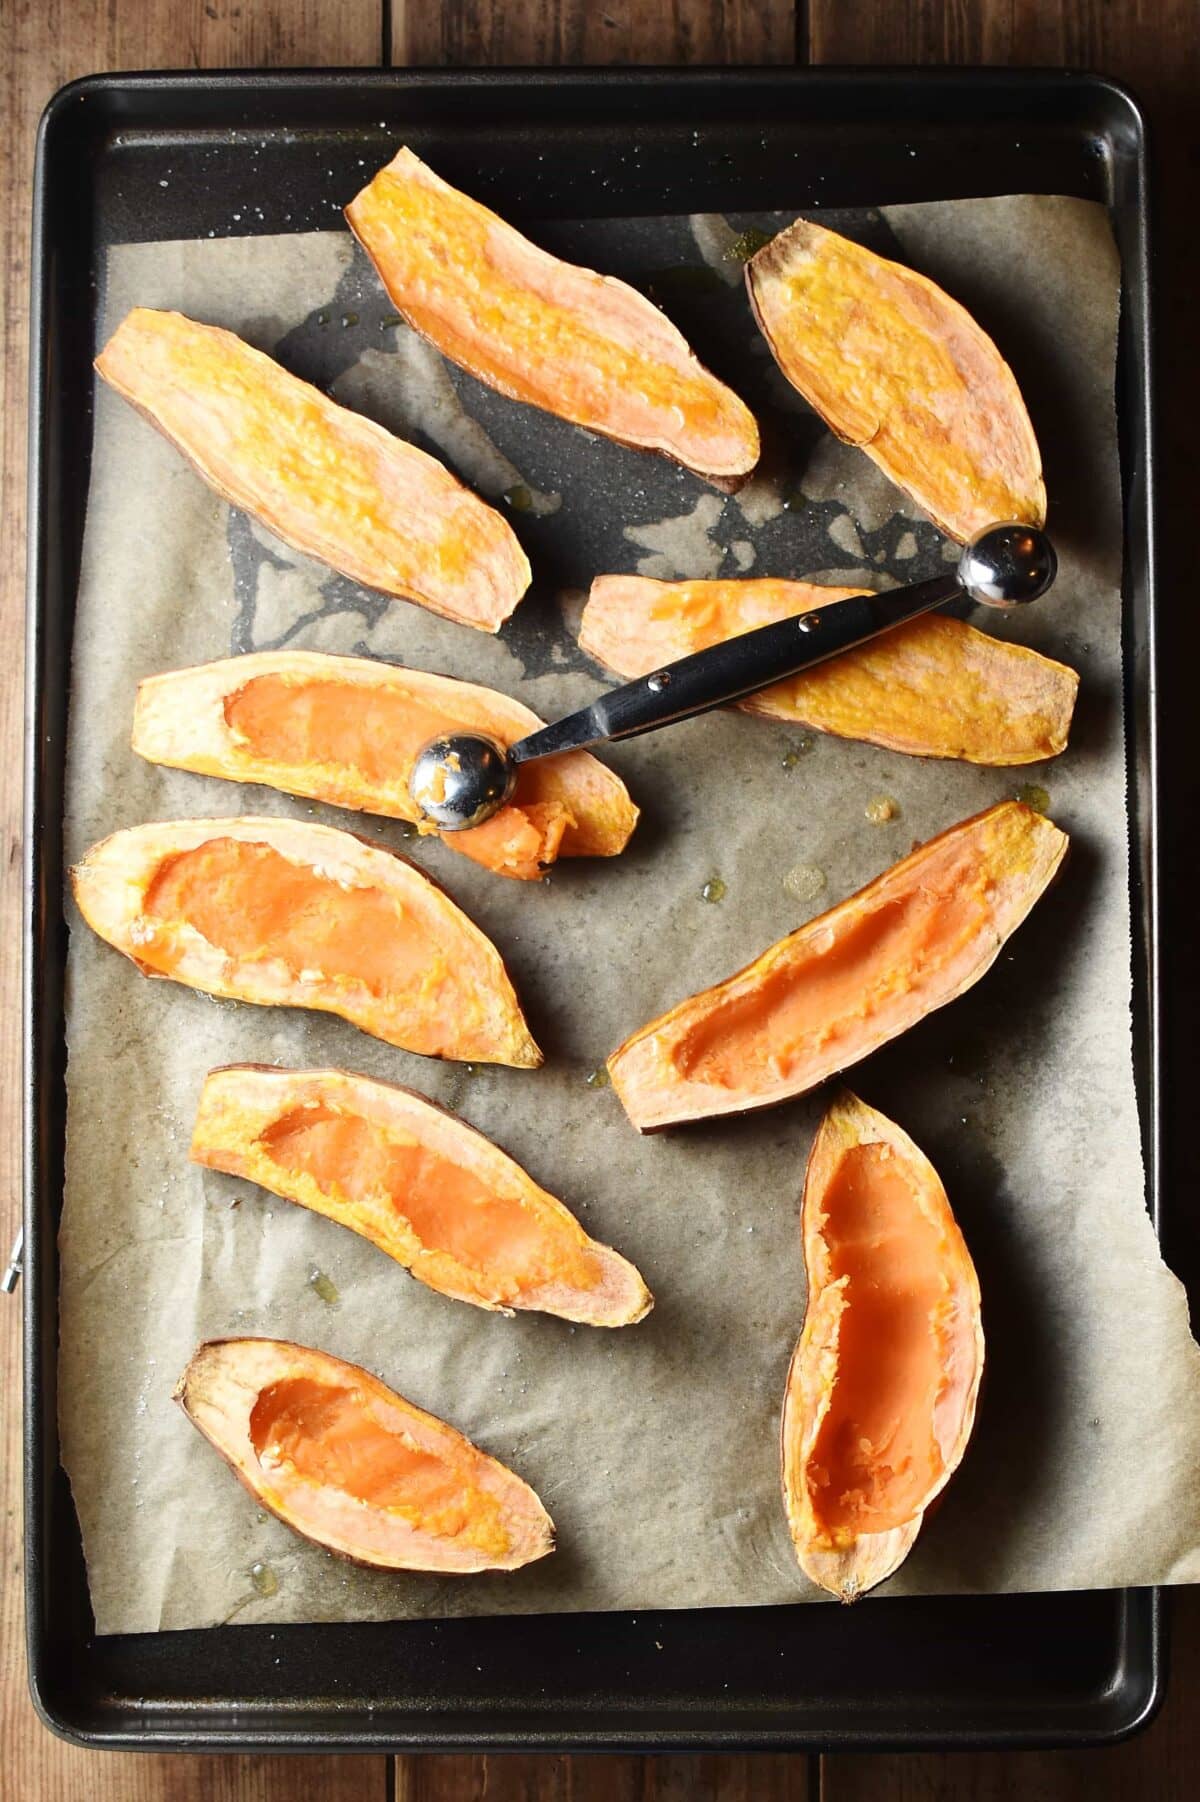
{"points": [[845, 983], [419, 1183], [347, 730], [307, 1433], [895, 366], [290, 914], [932, 688], [325, 480], [881, 1394], [583, 346]]}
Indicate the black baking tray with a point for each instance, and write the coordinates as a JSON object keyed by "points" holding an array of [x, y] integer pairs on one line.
{"points": [[1014, 1671]]}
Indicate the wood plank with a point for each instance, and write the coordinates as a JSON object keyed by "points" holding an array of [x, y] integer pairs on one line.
{"points": [[43, 45], [766, 1778], [1152, 45], [64, 1774], [514, 32]]}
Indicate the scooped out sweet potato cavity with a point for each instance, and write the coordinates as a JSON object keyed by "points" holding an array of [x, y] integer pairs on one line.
{"points": [[895, 366], [347, 730], [322, 478], [584, 346], [295, 915], [933, 688], [419, 1183], [839, 987], [881, 1393], [347, 1462]]}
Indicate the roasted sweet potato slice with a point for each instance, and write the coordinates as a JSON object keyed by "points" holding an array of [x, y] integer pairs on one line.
{"points": [[933, 688], [298, 915], [881, 1394], [897, 367], [347, 1462], [323, 479], [582, 345], [347, 730], [847, 982], [419, 1183]]}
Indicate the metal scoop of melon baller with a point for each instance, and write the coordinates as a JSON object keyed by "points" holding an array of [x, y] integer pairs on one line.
{"points": [[461, 780]]}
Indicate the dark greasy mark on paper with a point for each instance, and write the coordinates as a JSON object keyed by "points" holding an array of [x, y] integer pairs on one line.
{"points": [[249, 557], [605, 487], [330, 340]]}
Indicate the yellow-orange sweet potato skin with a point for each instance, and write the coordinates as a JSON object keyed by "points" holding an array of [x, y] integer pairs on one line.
{"points": [[207, 720], [327, 481], [935, 687], [451, 997], [246, 1110], [467, 1512], [845, 983], [584, 346], [896, 366], [845, 1559]]}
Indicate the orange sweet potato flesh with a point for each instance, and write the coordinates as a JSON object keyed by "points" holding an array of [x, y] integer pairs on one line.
{"points": [[881, 1393], [897, 367], [347, 1462], [419, 1183], [584, 346], [847, 982], [290, 914], [347, 730], [932, 688], [327, 481]]}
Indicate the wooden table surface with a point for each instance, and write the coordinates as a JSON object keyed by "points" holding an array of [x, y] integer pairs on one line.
{"points": [[1154, 45]]}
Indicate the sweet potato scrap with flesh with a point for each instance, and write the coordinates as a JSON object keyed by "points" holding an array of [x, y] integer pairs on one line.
{"points": [[348, 1463], [290, 914], [584, 346], [836, 989], [935, 687], [417, 1182], [323, 479], [881, 1393], [347, 730], [895, 366]]}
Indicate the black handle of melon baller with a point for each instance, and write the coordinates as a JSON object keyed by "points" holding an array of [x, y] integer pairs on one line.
{"points": [[737, 667], [460, 780], [1005, 566]]}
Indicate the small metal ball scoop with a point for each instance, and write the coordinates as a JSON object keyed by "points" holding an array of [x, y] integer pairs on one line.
{"points": [[461, 780]]}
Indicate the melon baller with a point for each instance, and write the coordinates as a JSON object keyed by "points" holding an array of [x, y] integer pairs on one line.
{"points": [[462, 778]]}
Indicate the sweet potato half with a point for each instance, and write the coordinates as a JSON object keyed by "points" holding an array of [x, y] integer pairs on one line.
{"points": [[296, 915], [836, 989], [895, 366], [932, 688], [419, 1183], [584, 346], [347, 1462], [347, 730], [325, 480], [881, 1393]]}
